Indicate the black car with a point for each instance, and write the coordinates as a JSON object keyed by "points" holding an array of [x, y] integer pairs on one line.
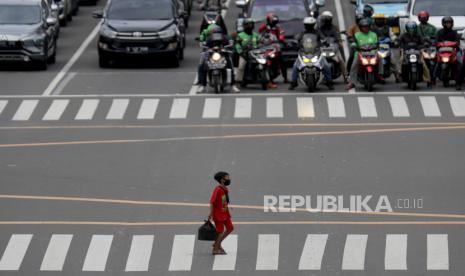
{"points": [[290, 12], [27, 32], [134, 28]]}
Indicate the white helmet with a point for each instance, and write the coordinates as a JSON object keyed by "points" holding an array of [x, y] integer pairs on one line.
{"points": [[327, 13], [309, 21]]}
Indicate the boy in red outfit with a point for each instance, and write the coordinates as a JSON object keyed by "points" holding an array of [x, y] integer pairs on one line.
{"points": [[219, 211]]}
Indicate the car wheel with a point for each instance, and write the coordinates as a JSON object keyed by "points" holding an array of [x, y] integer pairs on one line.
{"points": [[175, 60], [53, 58], [42, 65], [181, 54], [103, 61], [63, 22], [69, 17]]}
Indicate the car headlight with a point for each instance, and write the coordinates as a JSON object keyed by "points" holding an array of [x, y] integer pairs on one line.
{"points": [[107, 32], [167, 34], [34, 44]]}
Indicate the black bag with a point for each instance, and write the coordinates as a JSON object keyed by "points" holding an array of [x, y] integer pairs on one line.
{"points": [[207, 232]]}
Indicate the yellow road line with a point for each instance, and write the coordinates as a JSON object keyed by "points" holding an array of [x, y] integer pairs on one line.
{"points": [[204, 205], [232, 137]]}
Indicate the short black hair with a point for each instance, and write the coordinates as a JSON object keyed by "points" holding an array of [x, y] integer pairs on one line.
{"points": [[220, 175]]}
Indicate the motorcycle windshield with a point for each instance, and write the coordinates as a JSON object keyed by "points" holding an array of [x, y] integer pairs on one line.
{"points": [[309, 43]]}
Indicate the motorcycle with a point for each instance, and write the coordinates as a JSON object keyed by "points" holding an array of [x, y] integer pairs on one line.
{"points": [[368, 66], [212, 15], [330, 52], [384, 55], [309, 62], [256, 70], [270, 45], [412, 70], [447, 61], [429, 54], [217, 73]]}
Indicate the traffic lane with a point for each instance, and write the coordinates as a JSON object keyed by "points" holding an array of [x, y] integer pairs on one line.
{"points": [[399, 165], [140, 76], [20, 80]]}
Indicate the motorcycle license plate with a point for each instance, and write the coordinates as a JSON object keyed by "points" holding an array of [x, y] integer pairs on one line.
{"points": [[137, 50], [396, 29]]}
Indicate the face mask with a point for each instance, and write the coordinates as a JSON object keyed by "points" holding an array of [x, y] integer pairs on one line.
{"points": [[227, 182]]}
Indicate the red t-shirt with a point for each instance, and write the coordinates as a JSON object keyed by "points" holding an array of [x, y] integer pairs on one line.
{"points": [[220, 204]]}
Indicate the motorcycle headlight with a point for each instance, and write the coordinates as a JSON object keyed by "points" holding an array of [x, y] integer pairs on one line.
{"points": [[365, 61], [107, 32], [413, 58], [314, 59], [373, 61], [166, 34], [272, 55], [306, 59], [261, 60], [216, 57], [445, 59], [382, 54]]}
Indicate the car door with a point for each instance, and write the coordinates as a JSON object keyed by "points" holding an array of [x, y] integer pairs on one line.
{"points": [[49, 30]]}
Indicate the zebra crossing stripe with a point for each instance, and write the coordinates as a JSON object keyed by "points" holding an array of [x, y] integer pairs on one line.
{"points": [[118, 109], [336, 107], [3, 104], [430, 106], [25, 110], [458, 106], [399, 107], [367, 107], [55, 255], [15, 252], [140, 252], [87, 109], [97, 253], [148, 109], [55, 111], [395, 257], [182, 253], [437, 252], [354, 252], [211, 108], [305, 107], [179, 109], [268, 252], [227, 262], [313, 251], [243, 108], [274, 107]]}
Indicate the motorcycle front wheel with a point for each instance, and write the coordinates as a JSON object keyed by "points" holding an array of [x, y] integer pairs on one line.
{"points": [[311, 83]]}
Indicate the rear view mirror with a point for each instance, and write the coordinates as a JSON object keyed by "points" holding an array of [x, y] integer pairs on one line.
{"points": [[97, 14], [240, 4], [320, 3]]}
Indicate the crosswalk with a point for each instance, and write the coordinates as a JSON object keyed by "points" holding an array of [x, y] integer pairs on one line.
{"points": [[233, 108], [311, 255]]}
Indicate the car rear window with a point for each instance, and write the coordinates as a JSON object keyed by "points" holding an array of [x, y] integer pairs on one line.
{"points": [[140, 10], [284, 9], [440, 8], [19, 14]]}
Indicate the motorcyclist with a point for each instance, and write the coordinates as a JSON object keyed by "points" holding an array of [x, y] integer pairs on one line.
{"points": [[245, 41], [383, 31], [310, 28], [362, 38], [411, 39], [368, 13], [425, 29], [350, 37], [215, 38], [447, 33], [328, 30], [271, 26]]}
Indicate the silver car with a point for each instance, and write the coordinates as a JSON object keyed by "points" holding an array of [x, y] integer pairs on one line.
{"points": [[437, 10]]}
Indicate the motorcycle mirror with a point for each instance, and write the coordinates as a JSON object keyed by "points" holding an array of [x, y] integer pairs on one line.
{"points": [[320, 3], [240, 4], [353, 2]]}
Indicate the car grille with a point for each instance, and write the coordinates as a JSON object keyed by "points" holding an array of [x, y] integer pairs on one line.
{"points": [[10, 45]]}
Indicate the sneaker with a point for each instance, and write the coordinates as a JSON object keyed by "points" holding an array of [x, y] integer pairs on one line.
{"points": [[202, 89], [293, 85], [350, 85], [234, 89], [272, 85]]}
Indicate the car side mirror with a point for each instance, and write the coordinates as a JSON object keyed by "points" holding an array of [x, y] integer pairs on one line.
{"points": [[97, 14], [240, 4], [320, 3], [353, 2], [51, 21]]}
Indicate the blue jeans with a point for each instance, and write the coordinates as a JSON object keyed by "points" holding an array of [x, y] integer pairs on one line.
{"points": [[325, 69]]}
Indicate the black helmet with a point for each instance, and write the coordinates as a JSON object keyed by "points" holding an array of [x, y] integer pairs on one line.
{"points": [[364, 23], [248, 24], [272, 19], [358, 17], [447, 19], [368, 11], [309, 23], [411, 27]]}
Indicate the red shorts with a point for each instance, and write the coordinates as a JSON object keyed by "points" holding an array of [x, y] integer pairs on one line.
{"points": [[225, 223]]}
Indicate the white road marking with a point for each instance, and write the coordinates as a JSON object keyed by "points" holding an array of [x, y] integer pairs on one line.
{"points": [[25, 110], [354, 252], [15, 251], [274, 107], [3, 104], [367, 107], [458, 106], [140, 252], [268, 252], [55, 111], [227, 262], [395, 257], [336, 107], [87, 110], [55, 255], [179, 109], [430, 106], [211, 108], [182, 253], [51, 87], [64, 83], [148, 109], [399, 107], [305, 107], [243, 108], [97, 253], [118, 109], [437, 252], [313, 251]]}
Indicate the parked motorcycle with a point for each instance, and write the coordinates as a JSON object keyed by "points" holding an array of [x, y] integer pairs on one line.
{"points": [[447, 61], [412, 69], [368, 66]]}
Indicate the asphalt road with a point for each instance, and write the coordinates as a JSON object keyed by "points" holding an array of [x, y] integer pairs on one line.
{"points": [[110, 172]]}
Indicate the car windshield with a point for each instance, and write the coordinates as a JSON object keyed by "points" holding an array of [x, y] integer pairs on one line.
{"points": [[285, 9], [440, 8], [140, 10], [19, 14], [385, 1]]}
